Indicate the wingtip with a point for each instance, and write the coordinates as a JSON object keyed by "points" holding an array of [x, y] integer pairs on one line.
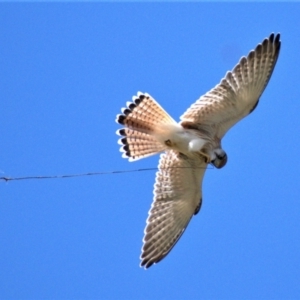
{"points": [[146, 263], [274, 38], [277, 41]]}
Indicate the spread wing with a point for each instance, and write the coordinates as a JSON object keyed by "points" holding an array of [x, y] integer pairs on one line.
{"points": [[237, 94], [177, 197]]}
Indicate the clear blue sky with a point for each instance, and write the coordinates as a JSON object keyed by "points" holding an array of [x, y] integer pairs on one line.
{"points": [[65, 72]]}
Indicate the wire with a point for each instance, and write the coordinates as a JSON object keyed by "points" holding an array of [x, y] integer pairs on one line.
{"points": [[4, 178]]}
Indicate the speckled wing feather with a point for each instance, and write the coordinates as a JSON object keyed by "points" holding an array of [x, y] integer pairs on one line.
{"points": [[238, 93], [177, 197]]}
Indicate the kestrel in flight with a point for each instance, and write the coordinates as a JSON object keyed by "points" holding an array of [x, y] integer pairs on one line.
{"points": [[190, 145]]}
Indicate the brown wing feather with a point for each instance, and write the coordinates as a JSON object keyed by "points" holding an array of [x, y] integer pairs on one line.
{"points": [[238, 93], [177, 196]]}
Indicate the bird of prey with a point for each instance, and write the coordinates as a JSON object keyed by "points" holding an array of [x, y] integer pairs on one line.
{"points": [[190, 145]]}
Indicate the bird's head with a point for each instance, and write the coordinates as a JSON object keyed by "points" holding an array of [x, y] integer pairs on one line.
{"points": [[221, 158]]}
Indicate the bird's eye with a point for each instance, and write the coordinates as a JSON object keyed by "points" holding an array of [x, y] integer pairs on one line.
{"points": [[220, 161]]}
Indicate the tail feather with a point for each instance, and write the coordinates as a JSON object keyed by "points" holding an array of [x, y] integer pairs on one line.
{"points": [[143, 114], [141, 118], [137, 145]]}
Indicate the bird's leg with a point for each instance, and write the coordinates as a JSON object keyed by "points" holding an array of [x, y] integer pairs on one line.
{"points": [[168, 143], [207, 158]]}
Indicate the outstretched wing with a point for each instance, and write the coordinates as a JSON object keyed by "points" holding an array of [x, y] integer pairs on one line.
{"points": [[177, 197], [237, 94]]}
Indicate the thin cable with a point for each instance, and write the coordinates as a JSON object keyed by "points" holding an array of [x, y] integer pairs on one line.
{"points": [[4, 178]]}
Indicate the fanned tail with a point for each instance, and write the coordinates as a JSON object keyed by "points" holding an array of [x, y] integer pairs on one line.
{"points": [[141, 119], [137, 145]]}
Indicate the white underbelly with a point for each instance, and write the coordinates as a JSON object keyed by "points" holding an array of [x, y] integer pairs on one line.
{"points": [[180, 139]]}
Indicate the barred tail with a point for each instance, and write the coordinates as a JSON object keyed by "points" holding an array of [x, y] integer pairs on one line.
{"points": [[142, 117], [137, 145]]}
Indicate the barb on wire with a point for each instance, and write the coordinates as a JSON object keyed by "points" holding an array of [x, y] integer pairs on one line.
{"points": [[4, 178]]}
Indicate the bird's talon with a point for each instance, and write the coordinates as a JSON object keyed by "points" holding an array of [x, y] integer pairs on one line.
{"points": [[168, 143], [207, 159]]}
